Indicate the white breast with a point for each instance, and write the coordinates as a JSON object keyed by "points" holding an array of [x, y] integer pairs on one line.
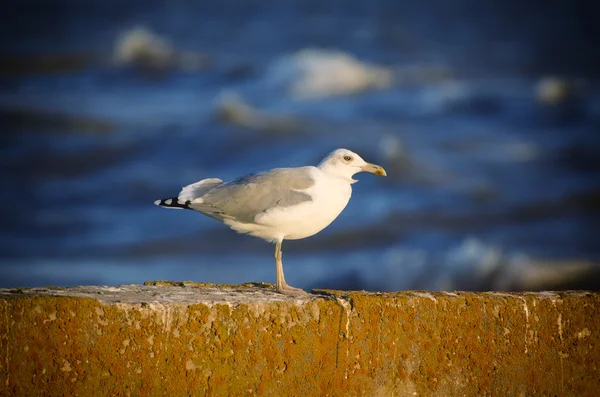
{"points": [[330, 195]]}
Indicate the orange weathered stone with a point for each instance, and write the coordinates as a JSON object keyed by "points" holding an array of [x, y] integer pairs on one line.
{"points": [[187, 339]]}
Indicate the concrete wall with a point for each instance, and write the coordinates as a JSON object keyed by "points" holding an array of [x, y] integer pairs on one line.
{"points": [[195, 340]]}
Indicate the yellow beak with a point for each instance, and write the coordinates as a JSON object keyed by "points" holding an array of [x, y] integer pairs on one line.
{"points": [[374, 169]]}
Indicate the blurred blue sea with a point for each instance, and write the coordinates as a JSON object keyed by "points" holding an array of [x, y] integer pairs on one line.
{"points": [[485, 114]]}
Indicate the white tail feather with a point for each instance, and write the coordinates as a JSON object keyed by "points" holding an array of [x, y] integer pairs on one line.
{"points": [[198, 189]]}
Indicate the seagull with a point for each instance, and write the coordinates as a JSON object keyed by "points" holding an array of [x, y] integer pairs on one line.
{"points": [[280, 204]]}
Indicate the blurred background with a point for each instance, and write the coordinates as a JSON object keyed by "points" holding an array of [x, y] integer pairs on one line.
{"points": [[485, 114]]}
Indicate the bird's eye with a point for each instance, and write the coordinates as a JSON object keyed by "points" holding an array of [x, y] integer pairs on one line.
{"points": [[347, 158]]}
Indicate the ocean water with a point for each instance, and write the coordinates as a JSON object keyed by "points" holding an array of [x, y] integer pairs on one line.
{"points": [[493, 163]]}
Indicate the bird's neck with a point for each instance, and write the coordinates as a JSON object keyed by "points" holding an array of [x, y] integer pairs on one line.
{"points": [[336, 174]]}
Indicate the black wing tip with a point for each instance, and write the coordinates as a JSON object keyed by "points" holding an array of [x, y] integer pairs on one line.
{"points": [[172, 202]]}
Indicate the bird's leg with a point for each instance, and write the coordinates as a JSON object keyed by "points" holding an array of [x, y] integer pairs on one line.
{"points": [[282, 286], [279, 267]]}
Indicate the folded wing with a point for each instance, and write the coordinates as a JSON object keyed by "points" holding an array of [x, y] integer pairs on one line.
{"points": [[244, 198]]}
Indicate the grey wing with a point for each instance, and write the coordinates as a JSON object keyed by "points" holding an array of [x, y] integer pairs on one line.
{"points": [[243, 198]]}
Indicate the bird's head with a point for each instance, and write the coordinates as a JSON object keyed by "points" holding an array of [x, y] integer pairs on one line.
{"points": [[345, 163]]}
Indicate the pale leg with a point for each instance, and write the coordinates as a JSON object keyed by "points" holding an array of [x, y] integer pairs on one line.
{"points": [[282, 286]]}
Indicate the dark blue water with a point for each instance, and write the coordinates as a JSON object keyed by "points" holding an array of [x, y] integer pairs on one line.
{"points": [[489, 186]]}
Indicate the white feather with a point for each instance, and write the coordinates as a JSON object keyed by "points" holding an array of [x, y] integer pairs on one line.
{"points": [[198, 189]]}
